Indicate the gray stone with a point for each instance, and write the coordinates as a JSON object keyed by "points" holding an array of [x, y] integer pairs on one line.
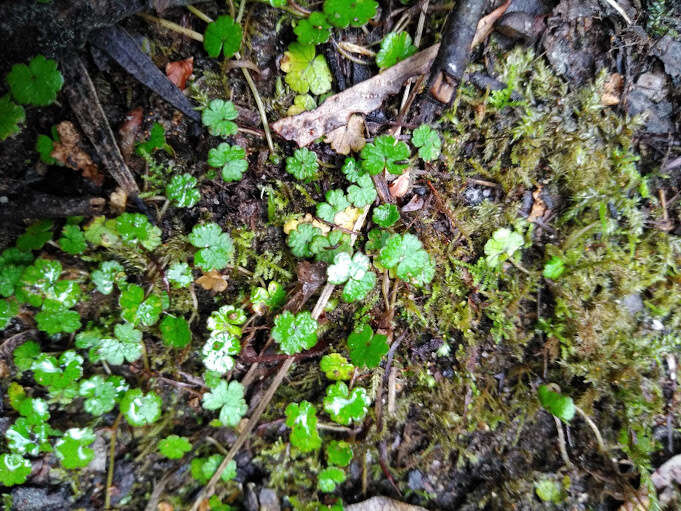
{"points": [[668, 50], [268, 500], [26, 498]]}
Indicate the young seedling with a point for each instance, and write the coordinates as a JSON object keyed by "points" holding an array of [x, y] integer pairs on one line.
{"points": [[59, 375], [106, 275], [14, 469], [366, 348], [44, 145], [326, 248], [227, 319], [223, 35], [229, 399], [174, 447], [303, 164], [216, 247], [72, 240], [36, 84], [270, 298], [501, 246], [231, 159], [354, 273], [338, 453], [385, 215], [302, 419], [219, 117], [295, 333], [25, 354], [136, 309], [182, 191], [134, 228], [218, 351], [554, 268], [428, 142], [352, 170], [55, 317], [556, 404], [156, 141], [141, 409], [363, 192], [306, 71], [385, 153], [335, 203], [202, 469], [345, 406], [329, 478], [126, 345], [299, 239], [356, 13], [32, 439], [405, 254], [336, 367], [395, 46], [11, 116], [179, 275], [313, 30], [72, 449], [101, 394], [175, 331], [36, 235]]}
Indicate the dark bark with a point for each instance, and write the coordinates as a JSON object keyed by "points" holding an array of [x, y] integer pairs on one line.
{"points": [[451, 60], [121, 47], [50, 206], [83, 99]]}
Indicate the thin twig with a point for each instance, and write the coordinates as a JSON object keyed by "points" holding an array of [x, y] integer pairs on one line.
{"points": [[112, 455], [619, 9], [173, 26], [261, 107], [199, 14], [561, 442]]}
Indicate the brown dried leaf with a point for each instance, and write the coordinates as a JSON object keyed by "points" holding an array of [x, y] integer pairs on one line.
{"points": [[213, 281], [178, 72], [486, 24], [363, 98], [414, 204], [538, 206], [127, 133], [612, 90], [68, 151], [400, 186], [118, 200], [348, 138], [165, 506]]}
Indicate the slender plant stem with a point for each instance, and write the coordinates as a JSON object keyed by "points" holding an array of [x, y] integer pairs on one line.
{"points": [[173, 26], [261, 106], [561, 442], [199, 14], [242, 8], [112, 455], [594, 428]]}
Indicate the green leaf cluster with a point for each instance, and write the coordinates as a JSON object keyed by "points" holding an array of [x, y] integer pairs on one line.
{"points": [[215, 247], [72, 448], [428, 141], [229, 399], [502, 245], [106, 275], [141, 409], [36, 83], [135, 228], [179, 275], [303, 164], [345, 406], [336, 367], [175, 331], [315, 29], [182, 191], [271, 297], [302, 419], [385, 153], [222, 36], [101, 394], [174, 447], [354, 273], [202, 469], [305, 70], [395, 46], [385, 215], [366, 348], [344, 13], [295, 333], [335, 203], [136, 309], [556, 403], [156, 141], [219, 118], [231, 159], [405, 254]]}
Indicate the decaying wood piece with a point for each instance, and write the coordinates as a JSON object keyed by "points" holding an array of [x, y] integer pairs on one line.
{"points": [[363, 98], [50, 206], [83, 99], [120, 46]]}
